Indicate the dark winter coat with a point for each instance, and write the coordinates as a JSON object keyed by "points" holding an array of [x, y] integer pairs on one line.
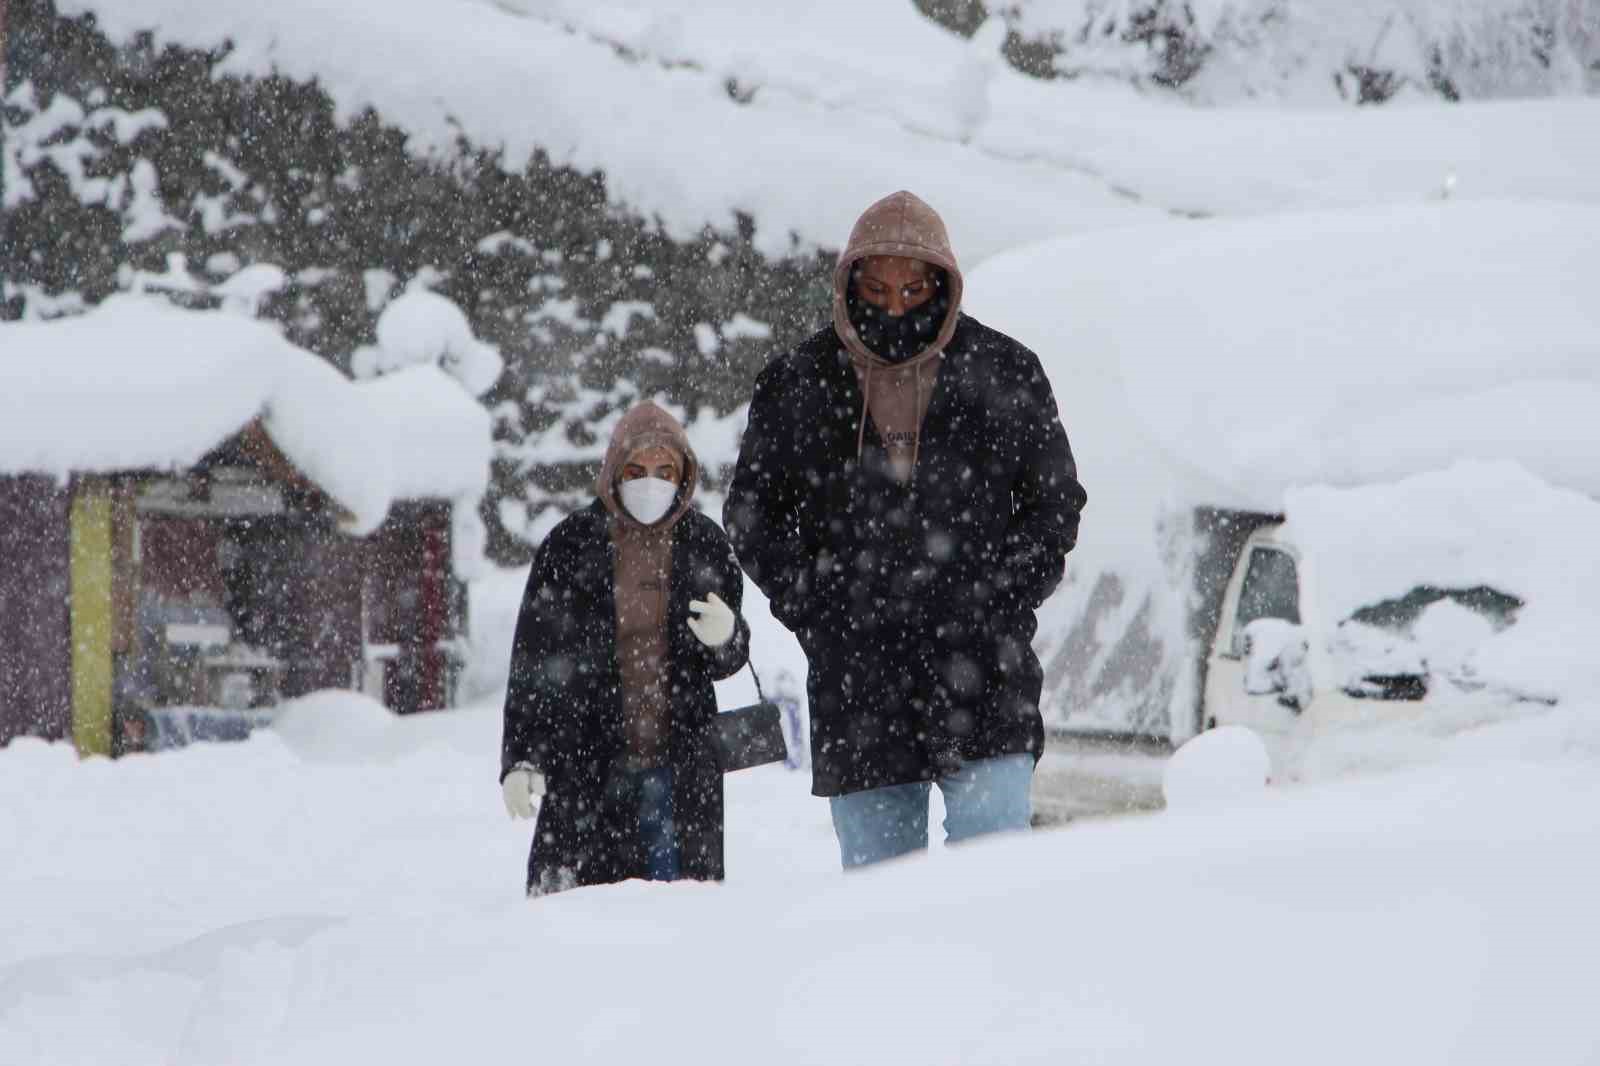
{"points": [[914, 603], [563, 709]]}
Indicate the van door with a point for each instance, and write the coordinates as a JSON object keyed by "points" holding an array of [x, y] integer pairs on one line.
{"points": [[1265, 584]]}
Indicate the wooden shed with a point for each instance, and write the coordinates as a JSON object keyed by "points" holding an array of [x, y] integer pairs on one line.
{"points": [[194, 513]]}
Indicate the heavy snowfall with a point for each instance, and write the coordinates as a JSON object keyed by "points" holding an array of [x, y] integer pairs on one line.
{"points": [[1313, 281]]}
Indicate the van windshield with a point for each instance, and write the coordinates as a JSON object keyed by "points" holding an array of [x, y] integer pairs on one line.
{"points": [[1400, 615]]}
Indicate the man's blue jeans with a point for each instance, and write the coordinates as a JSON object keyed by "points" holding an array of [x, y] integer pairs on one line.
{"points": [[986, 796]]}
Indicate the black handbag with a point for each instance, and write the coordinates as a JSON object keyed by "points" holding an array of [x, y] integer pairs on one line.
{"points": [[752, 735]]}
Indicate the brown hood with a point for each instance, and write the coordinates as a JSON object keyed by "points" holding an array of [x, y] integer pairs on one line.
{"points": [[899, 224], [645, 426]]}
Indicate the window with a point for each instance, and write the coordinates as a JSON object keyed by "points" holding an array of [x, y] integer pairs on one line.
{"points": [[1271, 590], [1399, 615]]}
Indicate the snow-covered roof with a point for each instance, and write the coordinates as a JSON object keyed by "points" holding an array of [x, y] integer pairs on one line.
{"points": [[831, 119], [140, 384]]}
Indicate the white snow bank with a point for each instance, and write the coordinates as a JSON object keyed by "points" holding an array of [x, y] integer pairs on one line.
{"points": [[846, 102], [494, 598], [140, 384], [1335, 348], [803, 158], [1359, 346], [345, 728], [240, 904], [1219, 768]]}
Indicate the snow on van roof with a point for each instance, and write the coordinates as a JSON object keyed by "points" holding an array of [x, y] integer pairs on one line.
{"points": [[1327, 348], [1233, 363], [140, 384]]}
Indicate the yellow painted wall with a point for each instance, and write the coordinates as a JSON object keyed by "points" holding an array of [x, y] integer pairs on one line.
{"points": [[91, 618]]}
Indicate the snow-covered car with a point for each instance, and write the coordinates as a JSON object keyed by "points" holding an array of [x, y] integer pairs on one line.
{"points": [[1387, 412], [1275, 667]]}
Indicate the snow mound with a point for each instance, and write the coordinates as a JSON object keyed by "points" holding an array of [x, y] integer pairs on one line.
{"points": [[1331, 348], [336, 726], [233, 904], [1218, 768], [423, 327]]}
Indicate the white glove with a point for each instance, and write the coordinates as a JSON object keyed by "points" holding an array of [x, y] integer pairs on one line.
{"points": [[519, 788], [714, 625]]}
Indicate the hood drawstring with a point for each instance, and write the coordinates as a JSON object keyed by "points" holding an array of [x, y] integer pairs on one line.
{"points": [[861, 429], [916, 441]]}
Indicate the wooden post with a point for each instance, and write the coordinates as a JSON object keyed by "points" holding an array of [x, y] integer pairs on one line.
{"points": [[434, 579], [92, 623]]}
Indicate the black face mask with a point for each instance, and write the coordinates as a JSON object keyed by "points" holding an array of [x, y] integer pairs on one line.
{"points": [[899, 338]]}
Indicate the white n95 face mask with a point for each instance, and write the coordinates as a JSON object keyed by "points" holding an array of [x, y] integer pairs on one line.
{"points": [[648, 499]]}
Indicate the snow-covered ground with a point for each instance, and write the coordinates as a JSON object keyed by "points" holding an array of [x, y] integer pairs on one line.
{"points": [[347, 888]]}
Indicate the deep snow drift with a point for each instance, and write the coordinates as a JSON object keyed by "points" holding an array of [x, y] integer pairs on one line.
{"points": [[347, 888]]}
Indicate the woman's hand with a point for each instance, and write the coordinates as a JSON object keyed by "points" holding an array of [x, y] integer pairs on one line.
{"points": [[711, 621], [519, 788]]}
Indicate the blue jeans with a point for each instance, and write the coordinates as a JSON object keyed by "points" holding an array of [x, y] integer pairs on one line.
{"points": [[656, 829], [986, 796]]}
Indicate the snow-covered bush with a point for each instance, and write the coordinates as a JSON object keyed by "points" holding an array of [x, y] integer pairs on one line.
{"points": [[1360, 51], [270, 200]]}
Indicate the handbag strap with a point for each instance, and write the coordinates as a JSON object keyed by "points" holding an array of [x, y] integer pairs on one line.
{"points": [[761, 696]]}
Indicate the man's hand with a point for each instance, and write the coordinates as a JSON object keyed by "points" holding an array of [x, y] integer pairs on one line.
{"points": [[519, 788], [711, 621]]}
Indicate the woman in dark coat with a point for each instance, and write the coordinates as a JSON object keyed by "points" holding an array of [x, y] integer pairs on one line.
{"points": [[631, 612]]}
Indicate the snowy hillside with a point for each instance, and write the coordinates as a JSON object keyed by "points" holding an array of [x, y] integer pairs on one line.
{"points": [[695, 112], [1324, 51]]}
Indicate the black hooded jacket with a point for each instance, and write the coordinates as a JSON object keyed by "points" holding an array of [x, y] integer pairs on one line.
{"points": [[913, 602], [564, 704]]}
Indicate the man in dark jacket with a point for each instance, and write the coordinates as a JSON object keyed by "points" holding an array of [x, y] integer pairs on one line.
{"points": [[906, 497], [631, 612]]}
